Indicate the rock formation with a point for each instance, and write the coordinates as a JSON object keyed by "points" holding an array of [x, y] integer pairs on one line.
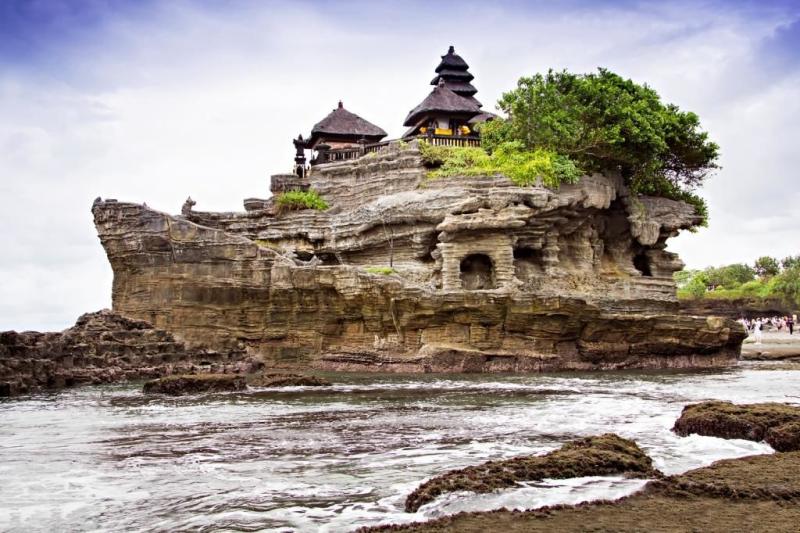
{"points": [[177, 385], [477, 274], [102, 347], [602, 455], [776, 423]]}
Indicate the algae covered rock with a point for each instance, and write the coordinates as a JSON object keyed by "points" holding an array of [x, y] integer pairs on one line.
{"points": [[756, 493], [287, 380], [784, 438], [193, 383], [601, 455], [778, 424]]}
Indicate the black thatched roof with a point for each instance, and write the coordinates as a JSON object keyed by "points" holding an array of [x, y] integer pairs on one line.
{"points": [[460, 75], [342, 123], [453, 72], [452, 61], [460, 88], [443, 100]]}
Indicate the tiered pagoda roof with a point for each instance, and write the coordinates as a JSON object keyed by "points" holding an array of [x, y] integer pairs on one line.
{"points": [[442, 100], [454, 71]]}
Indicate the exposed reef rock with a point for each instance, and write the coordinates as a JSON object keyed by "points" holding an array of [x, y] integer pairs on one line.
{"points": [[194, 383], [777, 424], [757, 493], [286, 380], [102, 347], [485, 276], [605, 455]]}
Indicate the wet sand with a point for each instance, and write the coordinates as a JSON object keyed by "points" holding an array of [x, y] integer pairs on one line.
{"points": [[775, 346]]}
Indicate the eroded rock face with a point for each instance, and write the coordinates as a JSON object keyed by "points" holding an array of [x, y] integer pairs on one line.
{"points": [[487, 276], [102, 347]]}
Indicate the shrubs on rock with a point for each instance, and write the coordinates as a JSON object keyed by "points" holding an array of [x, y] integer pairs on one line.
{"points": [[777, 424], [591, 456], [297, 200]]}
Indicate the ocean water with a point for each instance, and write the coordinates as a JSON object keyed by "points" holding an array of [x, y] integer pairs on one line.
{"points": [[108, 458]]}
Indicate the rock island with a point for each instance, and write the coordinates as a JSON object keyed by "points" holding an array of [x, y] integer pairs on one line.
{"points": [[361, 261]]}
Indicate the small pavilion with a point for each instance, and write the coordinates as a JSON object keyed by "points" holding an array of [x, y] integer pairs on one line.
{"points": [[343, 129]]}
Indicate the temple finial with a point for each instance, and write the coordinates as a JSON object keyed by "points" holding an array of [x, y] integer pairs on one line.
{"points": [[451, 50], [341, 106]]}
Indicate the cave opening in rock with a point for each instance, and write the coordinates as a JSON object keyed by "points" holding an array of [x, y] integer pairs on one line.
{"points": [[642, 264], [527, 263], [477, 272]]}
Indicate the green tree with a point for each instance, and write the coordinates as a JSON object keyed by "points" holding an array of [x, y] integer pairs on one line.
{"points": [[787, 284], [683, 277], [603, 121], [766, 267], [790, 261], [697, 285], [729, 276]]}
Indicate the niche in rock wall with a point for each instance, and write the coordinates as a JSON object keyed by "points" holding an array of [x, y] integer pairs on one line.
{"points": [[304, 256], [477, 272], [528, 263], [329, 259], [642, 264]]}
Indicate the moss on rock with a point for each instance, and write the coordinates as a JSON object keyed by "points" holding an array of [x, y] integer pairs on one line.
{"points": [[756, 422], [193, 383], [784, 438], [756, 493], [591, 456]]}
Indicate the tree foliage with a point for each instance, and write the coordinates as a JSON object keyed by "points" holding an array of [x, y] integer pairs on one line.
{"points": [[739, 281], [602, 122], [766, 267], [790, 261]]}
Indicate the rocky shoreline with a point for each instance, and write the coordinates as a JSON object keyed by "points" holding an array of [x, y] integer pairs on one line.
{"points": [[755, 493], [104, 347]]}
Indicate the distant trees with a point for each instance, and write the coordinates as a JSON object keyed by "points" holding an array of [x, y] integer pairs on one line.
{"points": [[766, 267], [767, 278], [790, 261]]}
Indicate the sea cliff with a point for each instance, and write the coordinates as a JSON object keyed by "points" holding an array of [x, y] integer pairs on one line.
{"points": [[408, 273]]}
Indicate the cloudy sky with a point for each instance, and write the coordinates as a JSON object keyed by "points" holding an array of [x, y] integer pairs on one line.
{"points": [[152, 101]]}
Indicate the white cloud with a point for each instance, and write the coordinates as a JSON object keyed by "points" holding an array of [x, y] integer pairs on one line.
{"points": [[181, 99]]}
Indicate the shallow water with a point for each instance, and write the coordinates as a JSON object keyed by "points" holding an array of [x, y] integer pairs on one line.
{"points": [[334, 459]]}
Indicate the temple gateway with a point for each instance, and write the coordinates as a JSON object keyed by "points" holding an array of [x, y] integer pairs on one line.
{"points": [[446, 117]]}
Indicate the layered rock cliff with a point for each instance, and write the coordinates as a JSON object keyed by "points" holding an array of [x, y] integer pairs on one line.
{"points": [[485, 275]]}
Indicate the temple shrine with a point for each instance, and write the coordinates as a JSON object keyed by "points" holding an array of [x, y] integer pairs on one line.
{"points": [[446, 117]]}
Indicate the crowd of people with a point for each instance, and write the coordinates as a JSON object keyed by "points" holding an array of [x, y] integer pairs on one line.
{"points": [[756, 326]]}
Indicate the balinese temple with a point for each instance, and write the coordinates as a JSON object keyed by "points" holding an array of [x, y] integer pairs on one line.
{"points": [[343, 129], [451, 109], [447, 116], [340, 131]]}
